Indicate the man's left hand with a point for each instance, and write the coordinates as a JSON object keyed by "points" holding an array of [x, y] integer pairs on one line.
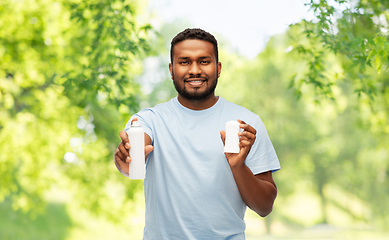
{"points": [[246, 141]]}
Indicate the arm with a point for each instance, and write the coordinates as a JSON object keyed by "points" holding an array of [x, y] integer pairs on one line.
{"points": [[122, 155], [257, 191]]}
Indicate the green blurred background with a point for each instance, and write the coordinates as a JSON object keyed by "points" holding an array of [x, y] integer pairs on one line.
{"points": [[72, 73]]}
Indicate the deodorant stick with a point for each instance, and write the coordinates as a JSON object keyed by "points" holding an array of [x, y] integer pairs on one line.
{"points": [[137, 151], [232, 137]]}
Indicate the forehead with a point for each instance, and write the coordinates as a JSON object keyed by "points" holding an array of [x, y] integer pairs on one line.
{"points": [[193, 48]]}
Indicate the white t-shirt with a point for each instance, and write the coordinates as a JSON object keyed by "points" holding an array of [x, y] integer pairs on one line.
{"points": [[190, 191]]}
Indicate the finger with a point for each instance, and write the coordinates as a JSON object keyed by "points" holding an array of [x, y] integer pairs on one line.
{"points": [[119, 154], [119, 157], [123, 156], [124, 136], [241, 121], [247, 135], [243, 139], [223, 136], [245, 143], [247, 127], [124, 153], [122, 165], [148, 149], [118, 160], [123, 150]]}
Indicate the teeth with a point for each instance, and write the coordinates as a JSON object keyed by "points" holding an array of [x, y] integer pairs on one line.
{"points": [[195, 81]]}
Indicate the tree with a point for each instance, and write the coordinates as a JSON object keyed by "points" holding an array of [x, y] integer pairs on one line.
{"points": [[66, 89], [321, 144], [357, 32]]}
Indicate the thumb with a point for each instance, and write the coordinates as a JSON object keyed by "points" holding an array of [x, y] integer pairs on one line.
{"points": [[148, 149], [223, 136]]}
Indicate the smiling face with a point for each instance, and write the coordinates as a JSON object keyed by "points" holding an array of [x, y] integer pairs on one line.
{"points": [[194, 70]]}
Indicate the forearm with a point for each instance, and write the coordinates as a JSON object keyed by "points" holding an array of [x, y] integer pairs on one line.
{"points": [[258, 192]]}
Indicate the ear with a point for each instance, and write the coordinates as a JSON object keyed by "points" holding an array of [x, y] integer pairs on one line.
{"points": [[171, 70], [219, 69]]}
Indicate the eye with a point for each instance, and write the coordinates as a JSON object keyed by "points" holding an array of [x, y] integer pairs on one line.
{"points": [[184, 62], [204, 62]]}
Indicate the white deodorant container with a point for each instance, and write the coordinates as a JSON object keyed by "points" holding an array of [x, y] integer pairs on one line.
{"points": [[137, 151], [232, 137]]}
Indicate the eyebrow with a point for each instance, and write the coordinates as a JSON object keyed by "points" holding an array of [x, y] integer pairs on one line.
{"points": [[185, 58]]}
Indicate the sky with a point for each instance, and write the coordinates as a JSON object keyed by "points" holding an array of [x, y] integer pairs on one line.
{"points": [[246, 24]]}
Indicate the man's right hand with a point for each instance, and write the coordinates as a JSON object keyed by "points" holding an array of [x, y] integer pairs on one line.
{"points": [[122, 155]]}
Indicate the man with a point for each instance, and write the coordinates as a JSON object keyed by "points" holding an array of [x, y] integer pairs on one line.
{"points": [[193, 190]]}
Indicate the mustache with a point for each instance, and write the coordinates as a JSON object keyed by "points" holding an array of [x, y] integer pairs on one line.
{"points": [[196, 77]]}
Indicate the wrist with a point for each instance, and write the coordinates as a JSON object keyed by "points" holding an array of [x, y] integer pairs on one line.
{"points": [[236, 165]]}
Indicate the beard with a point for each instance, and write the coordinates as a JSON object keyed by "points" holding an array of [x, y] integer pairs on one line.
{"points": [[196, 95]]}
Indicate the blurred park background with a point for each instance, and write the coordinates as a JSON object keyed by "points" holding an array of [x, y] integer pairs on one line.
{"points": [[72, 72]]}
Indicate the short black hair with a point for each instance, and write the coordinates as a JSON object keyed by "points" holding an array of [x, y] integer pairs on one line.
{"points": [[194, 33]]}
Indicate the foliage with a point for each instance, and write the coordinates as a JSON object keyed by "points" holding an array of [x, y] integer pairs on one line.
{"points": [[357, 32], [18, 225], [321, 144], [66, 86]]}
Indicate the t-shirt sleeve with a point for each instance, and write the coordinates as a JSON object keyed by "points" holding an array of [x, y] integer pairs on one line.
{"points": [[145, 118], [262, 156]]}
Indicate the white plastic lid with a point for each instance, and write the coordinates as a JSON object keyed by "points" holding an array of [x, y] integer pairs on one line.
{"points": [[232, 124], [135, 124]]}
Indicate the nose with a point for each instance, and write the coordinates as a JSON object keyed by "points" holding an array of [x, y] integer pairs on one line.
{"points": [[195, 69]]}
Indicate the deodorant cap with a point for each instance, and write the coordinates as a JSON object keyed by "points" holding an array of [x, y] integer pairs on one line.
{"points": [[135, 124], [234, 124], [232, 137]]}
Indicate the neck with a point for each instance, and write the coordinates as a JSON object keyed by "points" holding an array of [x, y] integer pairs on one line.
{"points": [[198, 104]]}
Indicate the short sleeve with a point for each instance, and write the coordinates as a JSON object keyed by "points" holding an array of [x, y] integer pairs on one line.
{"points": [[145, 118], [262, 156]]}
